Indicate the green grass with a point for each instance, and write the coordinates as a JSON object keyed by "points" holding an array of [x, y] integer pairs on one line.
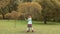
{"points": [[20, 26]]}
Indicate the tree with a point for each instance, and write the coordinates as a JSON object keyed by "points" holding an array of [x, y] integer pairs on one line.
{"points": [[50, 9], [31, 8], [4, 3], [6, 6]]}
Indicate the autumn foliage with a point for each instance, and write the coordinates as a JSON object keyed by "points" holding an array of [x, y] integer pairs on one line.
{"points": [[12, 15], [31, 8], [37, 8], [4, 3]]}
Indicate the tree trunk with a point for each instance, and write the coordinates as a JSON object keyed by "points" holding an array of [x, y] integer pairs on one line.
{"points": [[45, 20], [27, 1], [3, 16]]}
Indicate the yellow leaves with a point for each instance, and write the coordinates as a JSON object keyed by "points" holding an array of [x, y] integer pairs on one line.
{"points": [[29, 5], [15, 14], [8, 15], [12, 15], [32, 8]]}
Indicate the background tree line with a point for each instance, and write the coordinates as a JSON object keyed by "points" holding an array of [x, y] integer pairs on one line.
{"points": [[49, 9]]}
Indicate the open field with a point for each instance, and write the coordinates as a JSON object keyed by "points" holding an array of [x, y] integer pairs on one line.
{"points": [[20, 26]]}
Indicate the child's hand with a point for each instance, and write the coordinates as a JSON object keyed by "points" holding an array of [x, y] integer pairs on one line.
{"points": [[26, 19]]}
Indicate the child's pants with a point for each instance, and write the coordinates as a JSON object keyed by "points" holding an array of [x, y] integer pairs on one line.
{"points": [[29, 27]]}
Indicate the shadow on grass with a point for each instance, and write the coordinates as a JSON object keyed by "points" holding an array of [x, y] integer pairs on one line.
{"points": [[48, 23], [24, 32]]}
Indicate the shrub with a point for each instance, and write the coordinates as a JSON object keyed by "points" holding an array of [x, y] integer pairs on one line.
{"points": [[12, 15], [8, 16], [15, 15]]}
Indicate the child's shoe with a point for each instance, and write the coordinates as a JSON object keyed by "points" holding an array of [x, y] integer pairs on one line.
{"points": [[28, 31], [32, 31]]}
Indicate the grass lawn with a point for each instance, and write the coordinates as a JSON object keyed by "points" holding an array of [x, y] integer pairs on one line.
{"points": [[20, 26]]}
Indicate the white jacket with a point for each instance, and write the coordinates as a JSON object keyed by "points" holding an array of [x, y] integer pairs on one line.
{"points": [[29, 20]]}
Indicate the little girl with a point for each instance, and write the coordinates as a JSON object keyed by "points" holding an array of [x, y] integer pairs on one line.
{"points": [[29, 24]]}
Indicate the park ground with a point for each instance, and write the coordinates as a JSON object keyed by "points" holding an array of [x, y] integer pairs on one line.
{"points": [[20, 27]]}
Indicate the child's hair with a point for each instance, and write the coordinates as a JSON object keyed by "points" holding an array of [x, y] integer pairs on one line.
{"points": [[29, 16]]}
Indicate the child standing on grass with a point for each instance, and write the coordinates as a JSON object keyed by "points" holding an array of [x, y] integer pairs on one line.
{"points": [[29, 24]]}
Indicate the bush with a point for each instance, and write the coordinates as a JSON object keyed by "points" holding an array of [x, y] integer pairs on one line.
{"points": [[12, 15], [30, 8], [15, 15], [8, 16]]}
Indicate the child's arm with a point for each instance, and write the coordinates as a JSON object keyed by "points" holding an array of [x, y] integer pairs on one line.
{"points": [[26, 19]]}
